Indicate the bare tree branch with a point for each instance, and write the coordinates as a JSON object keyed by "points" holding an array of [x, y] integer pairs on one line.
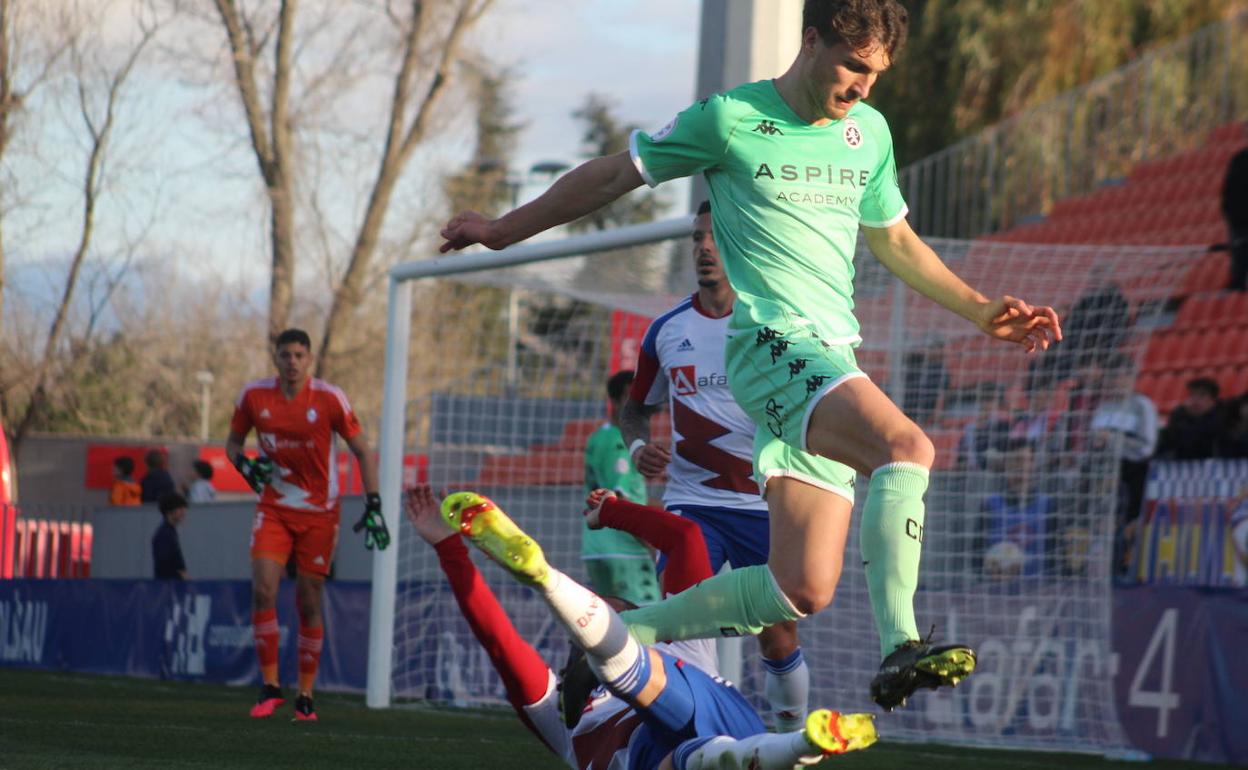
{"points": [[12, 100], [402, 137], [271, 145], [99, 130]]}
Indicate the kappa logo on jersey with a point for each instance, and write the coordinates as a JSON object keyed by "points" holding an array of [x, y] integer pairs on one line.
{"points": [[684, 380], [685, 346], [768, 128], [853, 134]]}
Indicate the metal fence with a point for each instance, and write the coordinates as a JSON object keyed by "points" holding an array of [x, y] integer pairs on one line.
{"points": [[1163, 103], [45, 541]]}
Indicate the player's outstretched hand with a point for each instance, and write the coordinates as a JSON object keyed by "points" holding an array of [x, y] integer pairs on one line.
{"points": [[1013, 320], [652, 459], [376, 533], [423, 511], [593, 506], [467, 228]]}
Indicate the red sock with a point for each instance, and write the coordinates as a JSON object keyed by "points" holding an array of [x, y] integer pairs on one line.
{"points": [[310, 641], [681, 539], [264, 627], [524, 673]]}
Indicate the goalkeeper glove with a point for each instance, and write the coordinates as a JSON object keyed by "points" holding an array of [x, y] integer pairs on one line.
{"points": [[376, 534], [256, 472]]}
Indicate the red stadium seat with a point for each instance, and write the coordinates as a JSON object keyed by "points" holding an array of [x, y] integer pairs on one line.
{"points": [[1162, 350]]}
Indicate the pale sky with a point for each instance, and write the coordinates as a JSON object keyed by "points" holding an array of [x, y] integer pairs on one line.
{"points": [[193, 192]]}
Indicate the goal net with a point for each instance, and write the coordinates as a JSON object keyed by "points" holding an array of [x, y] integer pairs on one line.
{"points": [[505, 376]]}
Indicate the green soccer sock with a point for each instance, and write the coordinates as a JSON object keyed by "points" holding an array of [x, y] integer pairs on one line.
{"points": [[891, 540], [736, 603]]}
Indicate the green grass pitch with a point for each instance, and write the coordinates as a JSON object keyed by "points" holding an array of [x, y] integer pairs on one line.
{"points": [[58, 720]]}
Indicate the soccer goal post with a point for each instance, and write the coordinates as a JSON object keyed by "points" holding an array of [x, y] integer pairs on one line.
{"points": [[495, 366]]}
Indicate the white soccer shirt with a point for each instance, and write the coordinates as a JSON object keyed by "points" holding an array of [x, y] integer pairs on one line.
{"points": [[682, 361]]}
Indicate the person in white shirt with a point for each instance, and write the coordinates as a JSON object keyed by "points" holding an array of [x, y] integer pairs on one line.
{"points": [[1127, 419], [201, 489]]}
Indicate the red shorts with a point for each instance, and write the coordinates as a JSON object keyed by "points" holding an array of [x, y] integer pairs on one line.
{"points": [[312, 536]]}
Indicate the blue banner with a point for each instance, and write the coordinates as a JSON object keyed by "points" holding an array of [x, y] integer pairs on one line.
{"points": [[168, 629], [1176, 667], [1193, 529], [1182, 683]]}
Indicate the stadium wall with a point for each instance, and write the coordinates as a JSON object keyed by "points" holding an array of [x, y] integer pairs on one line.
{"points": [[214, 538]]}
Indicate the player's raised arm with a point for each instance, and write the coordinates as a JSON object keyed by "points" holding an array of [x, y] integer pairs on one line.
{"points": [[584, 189], [1010, 319]]}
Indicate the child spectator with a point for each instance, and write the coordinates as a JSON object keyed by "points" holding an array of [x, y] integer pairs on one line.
{"points": [[167, 558], [201, 489], [125, 490]]}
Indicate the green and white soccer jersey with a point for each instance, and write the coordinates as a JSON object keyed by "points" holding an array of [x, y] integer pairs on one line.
{"points": [[608, 466], [787, 199]]}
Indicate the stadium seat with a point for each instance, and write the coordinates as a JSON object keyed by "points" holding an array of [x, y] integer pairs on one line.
{"points": [[576, 433], [1162, 350]]}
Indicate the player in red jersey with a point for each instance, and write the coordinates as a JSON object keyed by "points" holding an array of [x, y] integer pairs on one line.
{"points": [[662, 707], [297, 419]]}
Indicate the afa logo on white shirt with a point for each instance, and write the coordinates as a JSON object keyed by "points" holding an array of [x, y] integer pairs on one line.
{"points": [[684, 380]]}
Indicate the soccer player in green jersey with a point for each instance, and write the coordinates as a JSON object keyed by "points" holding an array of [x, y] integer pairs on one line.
{"points": [[796, 166], [617, 563]]}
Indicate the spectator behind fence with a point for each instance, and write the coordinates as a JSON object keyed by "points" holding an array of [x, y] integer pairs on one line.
{"points": [[201, 489], [987, 431], [1234, 441], [1194, 427], [1097, 324], [1128, 420], [125, 490], [927, 380], [158, 482], [167, 560], [1018, 524], [1235, 210]]}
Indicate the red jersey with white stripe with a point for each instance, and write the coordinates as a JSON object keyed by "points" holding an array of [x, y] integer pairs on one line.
{"points": [[300, 435], [682, 361]]}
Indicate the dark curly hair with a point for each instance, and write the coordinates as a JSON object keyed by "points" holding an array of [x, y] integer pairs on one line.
{"points": [[858, 23]]}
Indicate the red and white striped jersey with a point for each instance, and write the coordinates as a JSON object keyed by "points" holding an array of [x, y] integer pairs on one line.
{"points": [[682, 361]]}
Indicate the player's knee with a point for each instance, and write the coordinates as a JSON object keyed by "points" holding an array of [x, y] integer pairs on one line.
{"points": [[912, 446], [809, 597], [779, 641], [263, 597]]}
